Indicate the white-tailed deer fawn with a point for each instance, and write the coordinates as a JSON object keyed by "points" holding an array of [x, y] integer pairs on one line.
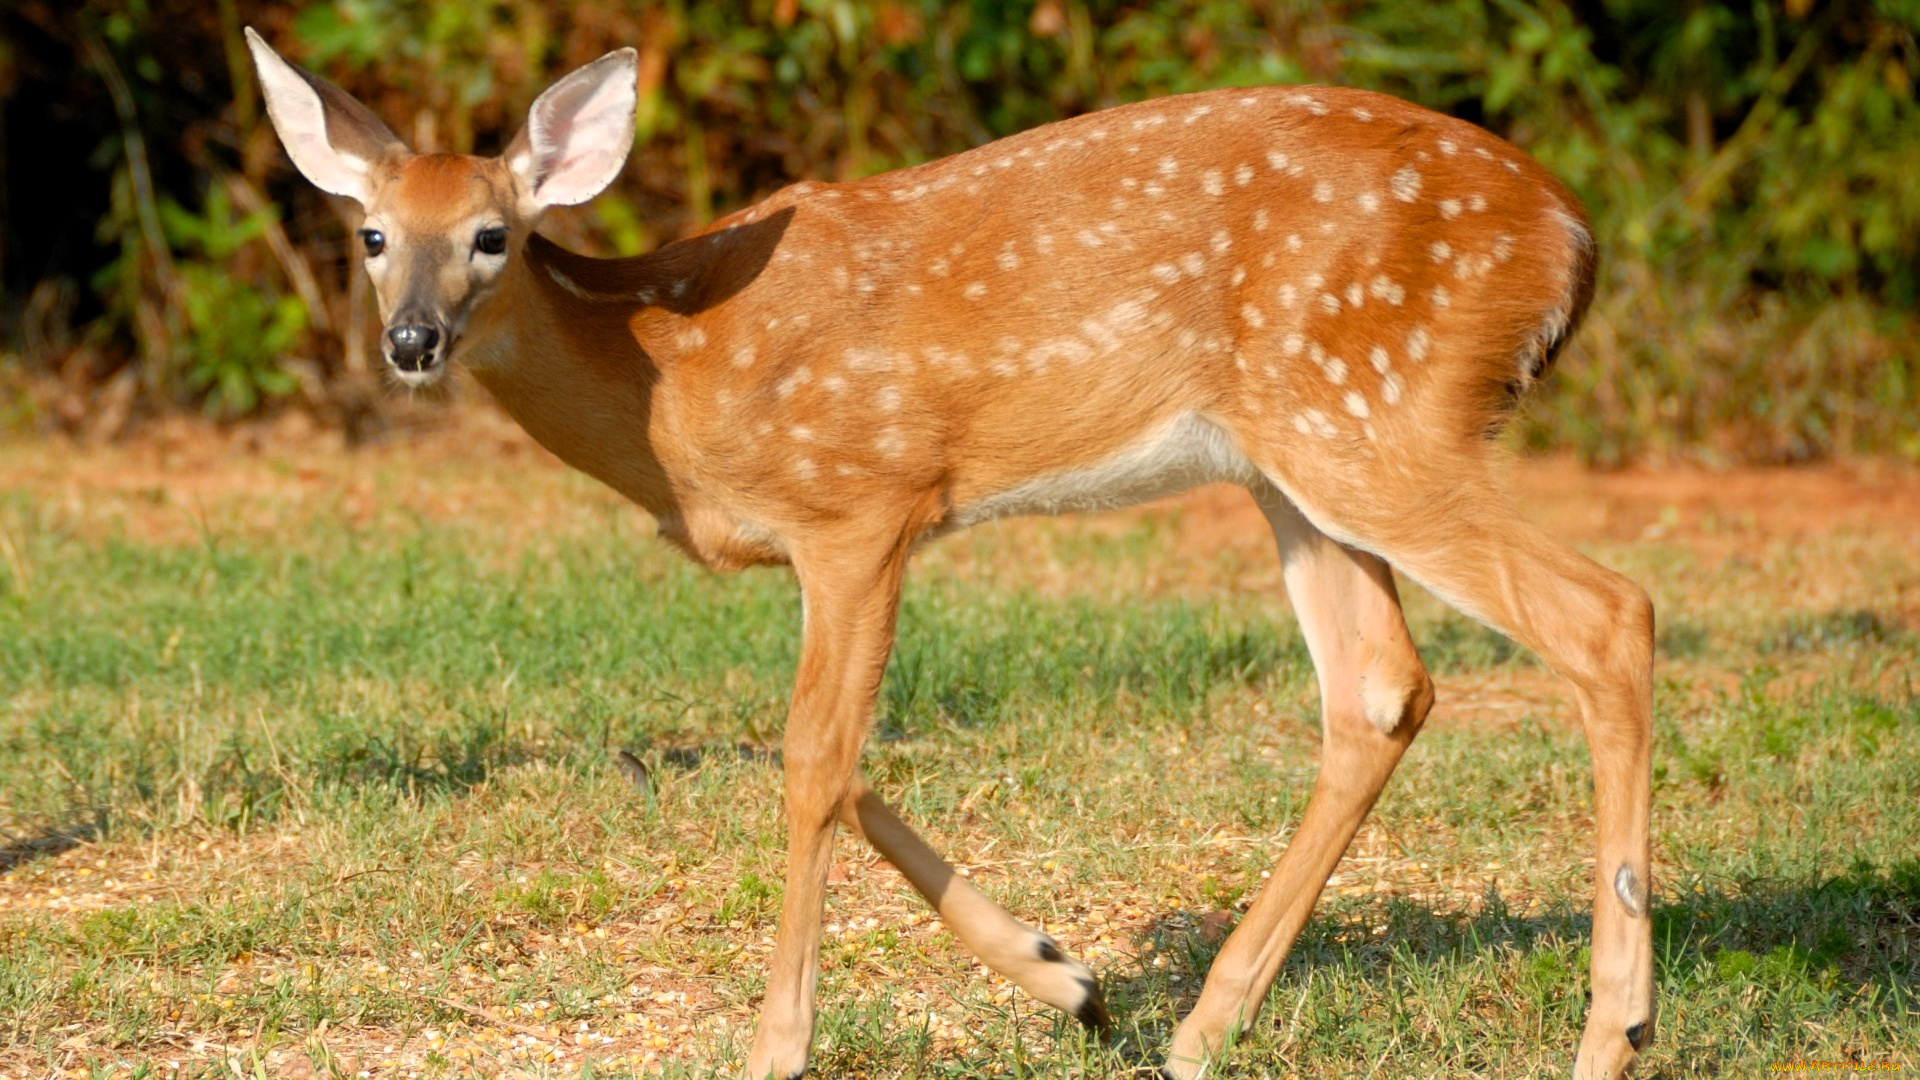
{"points": [[1327, 296]]}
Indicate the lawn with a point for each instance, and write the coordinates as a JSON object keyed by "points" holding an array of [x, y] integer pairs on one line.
{"points": [[312, 768]]}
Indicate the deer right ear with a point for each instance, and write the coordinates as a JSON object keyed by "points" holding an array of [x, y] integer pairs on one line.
{"points": [[333, 140]]}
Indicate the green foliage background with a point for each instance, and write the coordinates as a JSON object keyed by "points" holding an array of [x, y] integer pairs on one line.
{"points": [[1753, 167]]}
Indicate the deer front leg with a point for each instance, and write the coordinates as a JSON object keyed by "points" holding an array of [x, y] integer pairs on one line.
{"points": [[1374, 695], [1030, 958], [850, 606]]}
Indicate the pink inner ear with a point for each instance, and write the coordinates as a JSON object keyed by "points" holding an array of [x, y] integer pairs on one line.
{"points": [[580, 136]]}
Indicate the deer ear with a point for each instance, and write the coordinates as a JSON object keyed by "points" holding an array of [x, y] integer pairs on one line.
{"points": [[333, 140], [577, 136]]}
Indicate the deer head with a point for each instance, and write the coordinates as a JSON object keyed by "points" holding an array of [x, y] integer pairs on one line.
{"points": [[442, 231]]}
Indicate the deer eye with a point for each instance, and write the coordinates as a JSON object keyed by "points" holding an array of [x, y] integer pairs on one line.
{"points": [[491, 241], [375, 240]]}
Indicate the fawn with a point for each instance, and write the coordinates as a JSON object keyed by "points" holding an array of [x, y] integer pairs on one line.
{"points": [[1327, 296]]}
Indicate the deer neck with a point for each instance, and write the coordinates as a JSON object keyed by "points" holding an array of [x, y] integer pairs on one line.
{"points": [[567, 347]]}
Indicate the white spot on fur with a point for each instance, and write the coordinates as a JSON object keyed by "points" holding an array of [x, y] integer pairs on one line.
{"points": [[795, 379], [1308, 102], [1166, 272], [1406, 184], [1323, 192], [1279, 161], [1377, 356], [1252, 316], [1330, 303], [1440, 250], [1168, 167], [1212, 183], [1287, 295], [1472, 266], [1193, 263], [1294, 243], [887, 399], [1008, 260], [1369, 202], [891, 442], [1477, 203], [1417, 344], [1449, 208], [1089, 238], [805, 469], [1449, 147], [1391, 388], [568, 284], [1357, 405], [1385, 288], [1243, 175], [975, 291], [1043, 243], [867, 358], [1261, 219], [1322, 426], [744, 355], [1441, 297], [1220, 241]]}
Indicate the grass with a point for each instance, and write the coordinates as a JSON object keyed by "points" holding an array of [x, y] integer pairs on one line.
{"points": [[325, 785]]}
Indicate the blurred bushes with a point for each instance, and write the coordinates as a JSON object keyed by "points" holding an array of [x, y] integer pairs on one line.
{"points": [[1754, 169]]}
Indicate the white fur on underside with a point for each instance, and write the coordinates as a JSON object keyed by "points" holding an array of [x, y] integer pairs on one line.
{"points": [[1190, 451]]}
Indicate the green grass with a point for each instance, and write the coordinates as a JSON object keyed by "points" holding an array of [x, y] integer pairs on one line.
{"points": [[274, 800]]}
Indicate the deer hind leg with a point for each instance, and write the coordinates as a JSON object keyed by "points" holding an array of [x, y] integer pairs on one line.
{"points": [[1594, 628], [1374, 695], [1028, 957], [852, 597]]}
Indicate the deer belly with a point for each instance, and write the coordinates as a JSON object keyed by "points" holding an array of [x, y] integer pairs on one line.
{"points": [[1190, 451]]}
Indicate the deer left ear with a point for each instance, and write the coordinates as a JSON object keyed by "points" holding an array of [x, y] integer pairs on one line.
{"points": [[577, 135]]}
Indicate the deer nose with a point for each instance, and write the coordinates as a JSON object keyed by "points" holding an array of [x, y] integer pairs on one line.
{"points": [[411, 346]]}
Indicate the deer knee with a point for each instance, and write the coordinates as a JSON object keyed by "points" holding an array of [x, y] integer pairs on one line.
{"points": [[1396, 694]]}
